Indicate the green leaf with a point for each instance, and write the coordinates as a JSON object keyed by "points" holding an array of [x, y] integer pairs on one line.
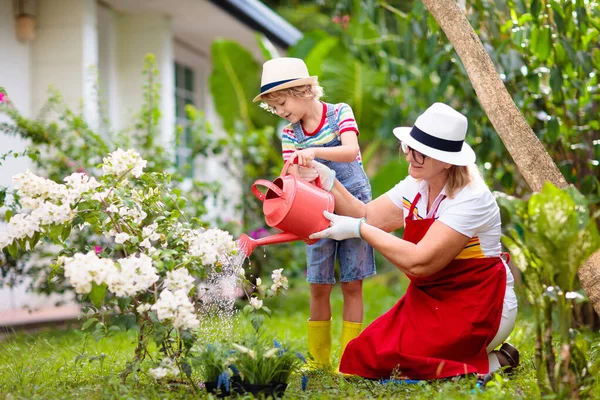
{"points": [[389, 175], [124, 302], [186, 368], [559, 17], [556, 82], [88, 323], [320, 52], [543, 44], [8, 214], [257, 320], [305, 45], [553, 129], [13, 249], [536, 6], [348, 80], [267, 310], [234, 81], [268, 50], [66, 231], [97, 294]]}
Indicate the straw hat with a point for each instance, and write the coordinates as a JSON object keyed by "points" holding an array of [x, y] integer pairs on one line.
{"points": [[283, 73], [439, 133]]}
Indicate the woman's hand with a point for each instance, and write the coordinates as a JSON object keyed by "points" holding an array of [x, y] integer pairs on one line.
{"points": [[326, 175], [307, 174], [305, 157], [341, 227]]}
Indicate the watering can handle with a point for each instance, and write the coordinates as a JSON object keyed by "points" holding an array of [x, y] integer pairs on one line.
{"points": [[268, 184], [294, 160]]}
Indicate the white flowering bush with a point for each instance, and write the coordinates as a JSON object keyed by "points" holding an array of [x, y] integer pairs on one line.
{"points": [[145, 274]]}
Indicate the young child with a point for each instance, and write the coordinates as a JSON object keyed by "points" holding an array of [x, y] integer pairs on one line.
{"points": [[327, 133]]}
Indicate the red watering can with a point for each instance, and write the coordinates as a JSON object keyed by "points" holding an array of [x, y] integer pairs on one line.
{"points": [[291, 205]]}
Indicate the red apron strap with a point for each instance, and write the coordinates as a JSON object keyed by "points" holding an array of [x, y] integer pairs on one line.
{"points": [[412, 206]]}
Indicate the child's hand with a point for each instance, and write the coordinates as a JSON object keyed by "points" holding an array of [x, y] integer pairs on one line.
{"points": [[305, 157]]}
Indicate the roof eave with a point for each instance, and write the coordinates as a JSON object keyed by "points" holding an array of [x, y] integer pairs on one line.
{"points": [[261, 18]]}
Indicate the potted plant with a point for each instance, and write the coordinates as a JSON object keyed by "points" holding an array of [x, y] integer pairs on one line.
{"points": [[265, 366], [214, 362]]}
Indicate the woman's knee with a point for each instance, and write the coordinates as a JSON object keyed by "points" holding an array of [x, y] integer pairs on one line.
{"points": [[352, 289]]}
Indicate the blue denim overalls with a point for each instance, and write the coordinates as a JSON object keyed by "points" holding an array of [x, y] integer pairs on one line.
{"points": [[355, 255]]}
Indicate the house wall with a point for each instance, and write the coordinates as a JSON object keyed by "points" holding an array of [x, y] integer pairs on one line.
{"points": [[83, 42], [15, 77], [138, 35], [65, 54]]}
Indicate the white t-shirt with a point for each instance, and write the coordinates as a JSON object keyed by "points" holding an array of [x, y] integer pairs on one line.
{"points": [[472, 211]]}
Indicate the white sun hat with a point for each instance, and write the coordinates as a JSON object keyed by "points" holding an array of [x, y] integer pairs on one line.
{"points": [[282, 73], [439, 133]]}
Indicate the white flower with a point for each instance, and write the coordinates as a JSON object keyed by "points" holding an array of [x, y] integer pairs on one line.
{"points": [[120, 161], [84, 269], [166, 369], [177, 308], [212, 246], [271, 352], [258, 282], [149, 232], [179, 279], [135, 274], [142, 308], [122, 237], [244, 350], [574, 295], [256, 303], [78, 184], [279, 281]]}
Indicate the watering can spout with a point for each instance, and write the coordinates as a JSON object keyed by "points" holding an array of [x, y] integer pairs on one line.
{"points": [[247, 244]]}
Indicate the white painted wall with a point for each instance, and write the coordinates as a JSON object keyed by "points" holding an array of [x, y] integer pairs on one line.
{"points": [[107, 64], [138, 35], [15, 77], [65, 54]]}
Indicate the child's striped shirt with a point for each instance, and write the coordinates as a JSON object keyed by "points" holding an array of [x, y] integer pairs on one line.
{"points": [[323, 134]]}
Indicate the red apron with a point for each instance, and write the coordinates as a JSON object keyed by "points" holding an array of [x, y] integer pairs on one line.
{"points": [[440, 327]]}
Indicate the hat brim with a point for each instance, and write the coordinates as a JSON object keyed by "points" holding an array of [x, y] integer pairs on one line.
{"points": [[466, 155], [311, 80]]}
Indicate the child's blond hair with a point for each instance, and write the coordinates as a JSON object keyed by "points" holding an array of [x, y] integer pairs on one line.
{"points": [[299, 92]]}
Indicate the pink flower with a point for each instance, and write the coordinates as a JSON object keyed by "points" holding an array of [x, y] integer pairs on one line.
{"points": [[259, 233], [98, 249], [3, 98]]}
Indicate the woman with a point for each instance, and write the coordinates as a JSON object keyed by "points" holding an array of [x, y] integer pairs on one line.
{"points": [[460, 304]]}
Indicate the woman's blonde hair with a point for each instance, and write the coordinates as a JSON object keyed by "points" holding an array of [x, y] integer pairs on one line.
{"points": [[299, 92], [460, 176]]}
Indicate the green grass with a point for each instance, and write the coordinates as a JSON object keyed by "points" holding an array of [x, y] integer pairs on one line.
{"points": [[71, 364]]}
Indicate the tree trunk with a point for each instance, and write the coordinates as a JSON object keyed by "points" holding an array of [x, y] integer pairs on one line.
{"points": [[527, 151]]}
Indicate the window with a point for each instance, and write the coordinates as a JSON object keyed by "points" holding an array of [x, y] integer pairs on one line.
{"points": [[184, 95]]}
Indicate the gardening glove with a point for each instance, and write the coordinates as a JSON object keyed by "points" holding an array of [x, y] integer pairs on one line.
{"points": [[307, 173], [326, 174], [341, 227]]}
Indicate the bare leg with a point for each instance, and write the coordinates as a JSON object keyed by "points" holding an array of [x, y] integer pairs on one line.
{"points": [[320, 306], [353, 301]]}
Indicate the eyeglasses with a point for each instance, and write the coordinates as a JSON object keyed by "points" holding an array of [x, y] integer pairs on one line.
{"points": [[418, 157]]}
